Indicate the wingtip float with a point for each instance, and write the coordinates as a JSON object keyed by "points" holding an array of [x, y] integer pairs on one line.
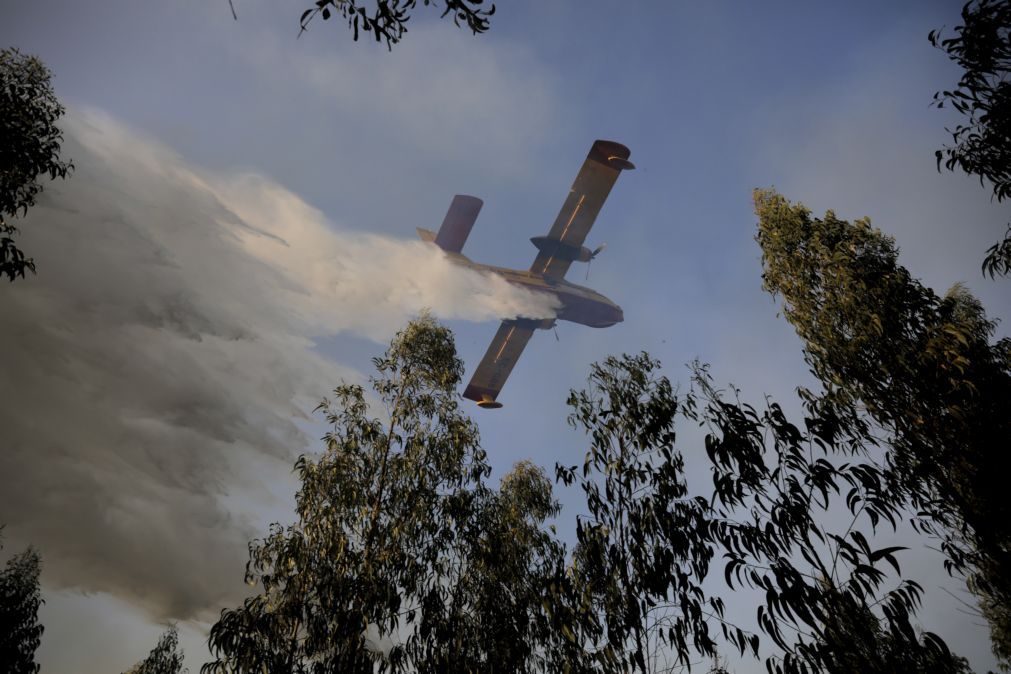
{"points": [[562, 246]]}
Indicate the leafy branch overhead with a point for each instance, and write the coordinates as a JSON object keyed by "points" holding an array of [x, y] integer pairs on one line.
{"points": [[981, 46], [388, 19]]}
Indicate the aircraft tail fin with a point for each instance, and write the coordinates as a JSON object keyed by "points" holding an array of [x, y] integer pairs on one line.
{"points": [[457, 224]]}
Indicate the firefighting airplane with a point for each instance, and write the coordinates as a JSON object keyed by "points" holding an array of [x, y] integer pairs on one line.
{"points": [[561, 247]]}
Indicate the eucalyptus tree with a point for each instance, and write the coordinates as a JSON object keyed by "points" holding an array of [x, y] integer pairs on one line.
{"points": [[402, 558], [165, 658], [644, 547], [20, 599], [981, 46], [829, 603], [920, 375], [649, 541], [30, 148]]}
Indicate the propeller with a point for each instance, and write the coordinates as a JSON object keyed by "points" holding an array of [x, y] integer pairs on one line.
{"points": [[596, 251]]}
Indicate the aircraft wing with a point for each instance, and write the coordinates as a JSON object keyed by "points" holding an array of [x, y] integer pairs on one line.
{"points": [[498, 361], [593, 183]]}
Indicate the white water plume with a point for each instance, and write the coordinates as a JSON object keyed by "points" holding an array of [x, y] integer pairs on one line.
{"points": [[165, 350]]}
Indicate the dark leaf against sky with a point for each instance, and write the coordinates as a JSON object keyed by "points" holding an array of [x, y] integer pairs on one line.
{"points": [[387, 21], [981, 46], [20, 599], [29, 149], [165, 658], [920, 370]]}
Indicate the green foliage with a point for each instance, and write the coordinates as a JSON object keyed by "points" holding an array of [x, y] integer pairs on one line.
{"points": [[20, 598], [916, 369], [773, 486], [998, 257], [854, 641], [165, 657], [501, 582], [403, 559], [30, 147], [981, 46], [645, 547], [388, 21], [398, 538]]}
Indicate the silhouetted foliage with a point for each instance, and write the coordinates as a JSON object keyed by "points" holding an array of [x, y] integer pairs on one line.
{"points": [[912, 371], [388, 20], [165, 657], [774, 484], [29, 150], [645, 547], [982, 144], [20, 598], [998, 257], [982, 47]]}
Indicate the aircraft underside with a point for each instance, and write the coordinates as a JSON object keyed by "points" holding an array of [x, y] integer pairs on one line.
{"points": [[579, 305], [556, 252]]}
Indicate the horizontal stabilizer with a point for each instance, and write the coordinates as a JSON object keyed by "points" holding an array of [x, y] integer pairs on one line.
{"points": [[458, 222], [427, 235]]}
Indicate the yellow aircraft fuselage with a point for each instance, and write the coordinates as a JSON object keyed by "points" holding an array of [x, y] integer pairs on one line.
{"points": [[579, 304]]}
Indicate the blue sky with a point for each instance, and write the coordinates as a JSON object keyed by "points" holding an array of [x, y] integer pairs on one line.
{"points": [[341, 147]]}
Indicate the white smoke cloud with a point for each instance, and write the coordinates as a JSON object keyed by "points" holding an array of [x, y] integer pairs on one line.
{"points": [[363, 283], [164, 353]]}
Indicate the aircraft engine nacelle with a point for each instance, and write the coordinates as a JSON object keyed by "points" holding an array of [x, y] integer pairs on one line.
{"points": [[563, 251]]}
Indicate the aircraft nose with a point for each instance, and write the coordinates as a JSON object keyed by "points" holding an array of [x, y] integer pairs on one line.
{"points": [[619, 314]]}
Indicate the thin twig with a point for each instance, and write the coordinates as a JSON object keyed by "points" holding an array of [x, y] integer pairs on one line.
{"points": [[972, 610]]}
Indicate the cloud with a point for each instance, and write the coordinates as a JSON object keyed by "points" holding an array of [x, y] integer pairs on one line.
{"points": [[864, 147], [442, 94], [164, 355]]}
